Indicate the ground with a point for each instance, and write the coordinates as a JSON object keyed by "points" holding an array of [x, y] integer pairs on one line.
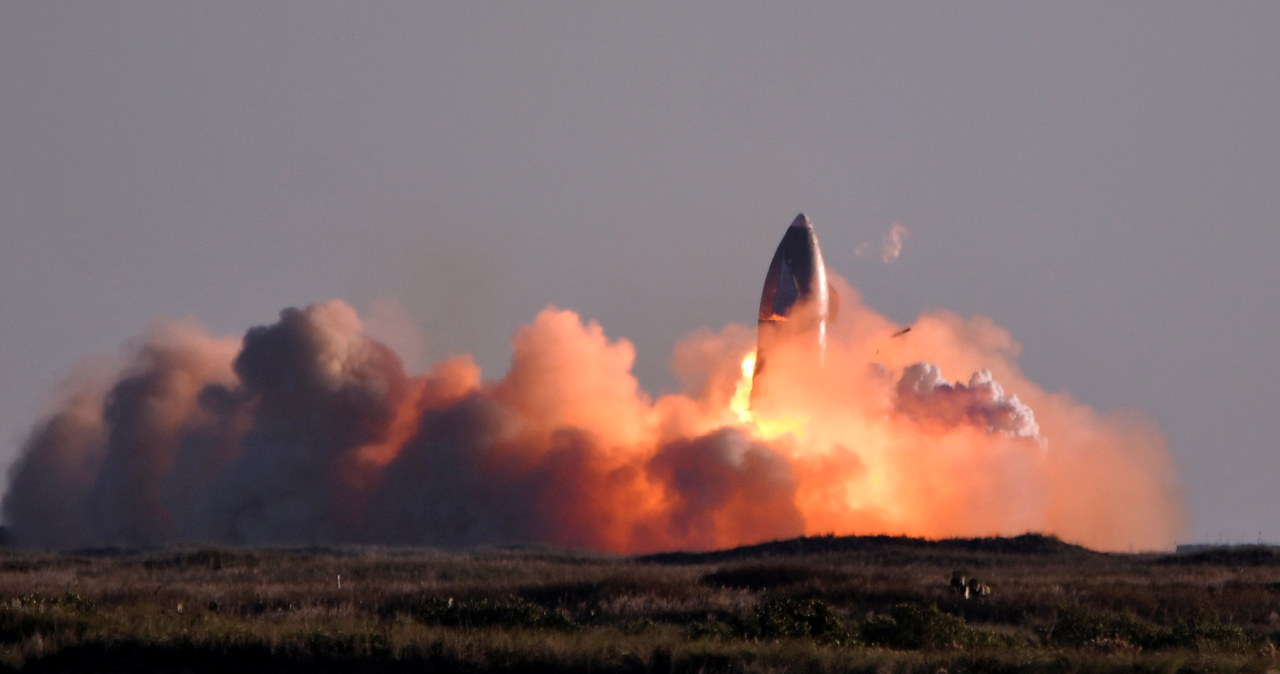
{"points": [[820, 604]]}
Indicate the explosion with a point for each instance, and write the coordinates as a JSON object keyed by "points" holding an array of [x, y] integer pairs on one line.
{"points": [[309, 432]]}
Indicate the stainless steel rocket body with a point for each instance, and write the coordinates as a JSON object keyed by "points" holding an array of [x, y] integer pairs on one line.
{"points": [[795, 305]]}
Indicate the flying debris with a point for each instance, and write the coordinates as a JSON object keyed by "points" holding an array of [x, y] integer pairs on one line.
{"points": [[797, 301], [896, 335]]}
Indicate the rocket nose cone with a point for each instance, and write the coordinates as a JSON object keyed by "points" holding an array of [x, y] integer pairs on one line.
{"points": [[802, 221]]}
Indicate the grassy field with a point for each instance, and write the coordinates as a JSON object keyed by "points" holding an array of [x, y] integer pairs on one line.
{"points": [[808, 605]]}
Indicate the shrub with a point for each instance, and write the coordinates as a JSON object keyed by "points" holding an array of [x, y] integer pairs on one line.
{"points": [[510, 612], [322, 644], [913, 627], [1079, 626], [759, 576], [68, 601], [28, 615], [1204, 632], [787, 617], [777, 618], [709, 629]]}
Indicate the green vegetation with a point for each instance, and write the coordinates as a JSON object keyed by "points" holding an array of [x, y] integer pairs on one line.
{"points": [[873, 604]]}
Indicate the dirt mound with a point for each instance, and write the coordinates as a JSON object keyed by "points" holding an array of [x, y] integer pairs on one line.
{"points": [[877, 546]]}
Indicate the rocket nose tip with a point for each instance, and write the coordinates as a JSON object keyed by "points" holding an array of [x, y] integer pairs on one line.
{"points": [[802, 221]]}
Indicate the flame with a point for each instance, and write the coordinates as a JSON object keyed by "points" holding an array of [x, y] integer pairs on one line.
{"points": [[740, 404], [764, 428]]}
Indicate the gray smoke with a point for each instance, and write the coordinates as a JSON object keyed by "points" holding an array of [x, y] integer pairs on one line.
{"points": [[308, 432]]}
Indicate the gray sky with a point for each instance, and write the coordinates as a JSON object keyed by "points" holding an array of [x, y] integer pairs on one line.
{"points": [[1099, 178]]}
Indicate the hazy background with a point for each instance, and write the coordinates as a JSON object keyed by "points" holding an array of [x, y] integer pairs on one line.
{"points": [[1100, 179]]}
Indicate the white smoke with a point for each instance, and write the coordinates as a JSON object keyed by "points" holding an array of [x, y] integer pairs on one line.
{"points": [[890, 244], [927, 398]]}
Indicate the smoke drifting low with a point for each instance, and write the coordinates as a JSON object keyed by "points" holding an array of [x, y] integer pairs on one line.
{"points": [[309, 432]]}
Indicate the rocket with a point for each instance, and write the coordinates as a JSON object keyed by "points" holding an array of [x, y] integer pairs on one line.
{"points": [[797, 302]]}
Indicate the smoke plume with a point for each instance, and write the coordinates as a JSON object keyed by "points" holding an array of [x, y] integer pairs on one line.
{"points": [[890, 244], [309, 432]]}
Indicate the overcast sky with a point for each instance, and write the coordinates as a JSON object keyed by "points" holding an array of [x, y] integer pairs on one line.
{"points": [[1102, 179]]}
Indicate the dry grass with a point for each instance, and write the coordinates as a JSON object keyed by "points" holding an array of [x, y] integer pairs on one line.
{"points": [[816, 605]]}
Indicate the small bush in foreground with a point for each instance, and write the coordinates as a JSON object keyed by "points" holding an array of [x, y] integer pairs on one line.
{"points": [[914, 627], [1079, 626], [510, 611], [786, 617]]}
